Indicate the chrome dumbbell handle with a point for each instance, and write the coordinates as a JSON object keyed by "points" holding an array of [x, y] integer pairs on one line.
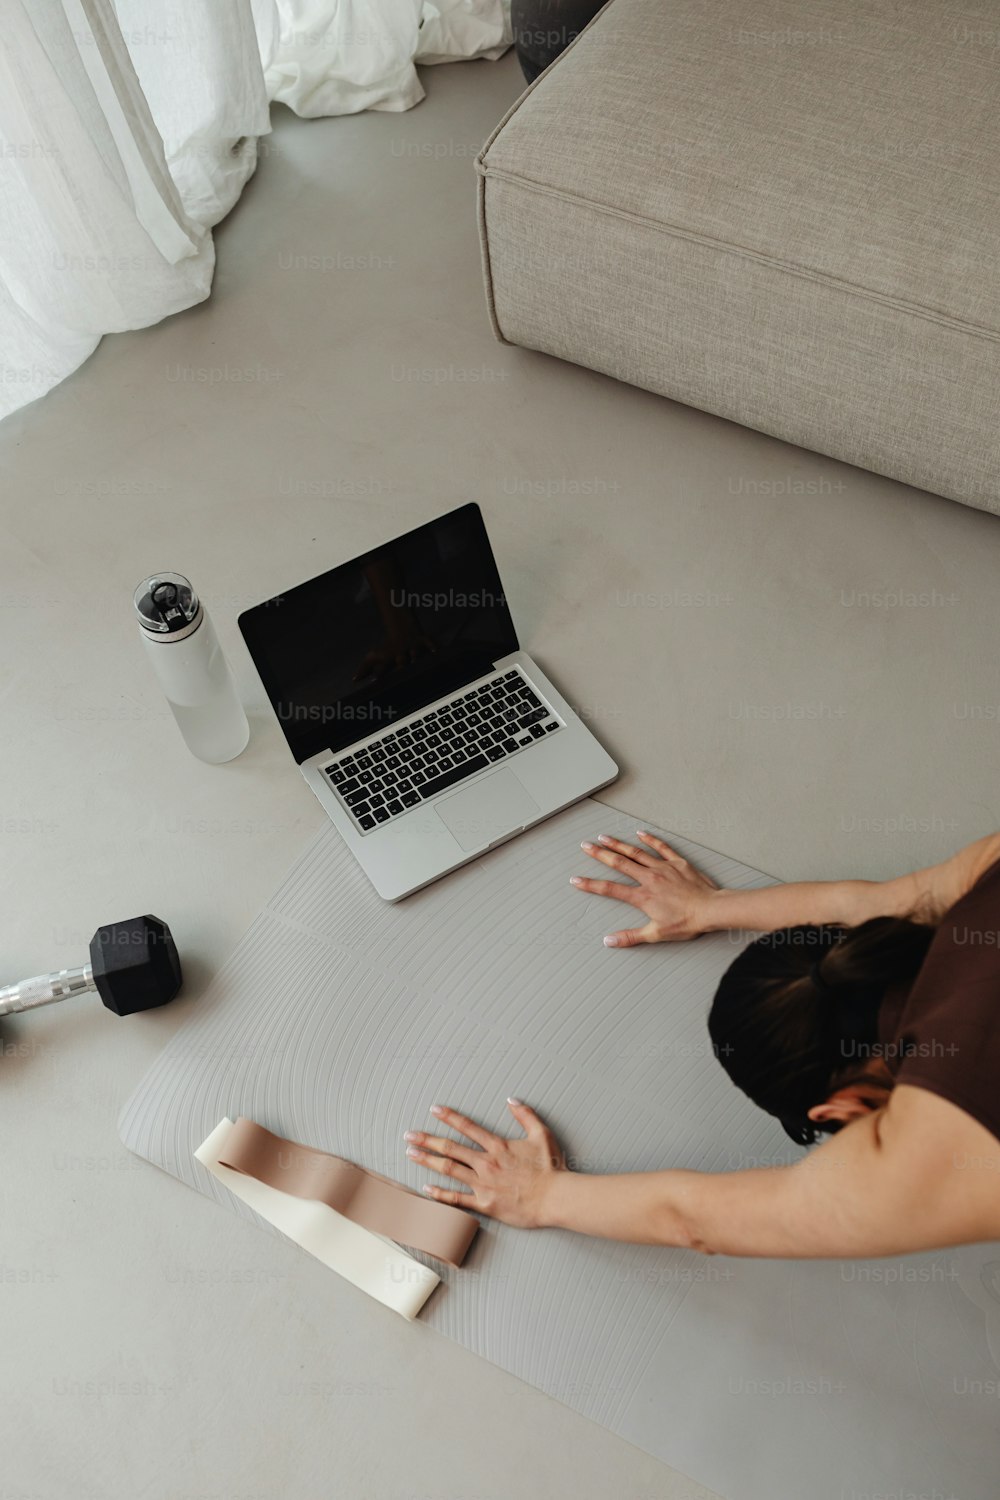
{"points": [[45, 989]]}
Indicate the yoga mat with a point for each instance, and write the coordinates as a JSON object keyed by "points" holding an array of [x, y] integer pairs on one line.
{"points": [[340, 1019]]}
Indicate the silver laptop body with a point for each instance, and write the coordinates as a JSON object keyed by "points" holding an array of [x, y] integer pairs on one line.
{"points": [[425, 746]]}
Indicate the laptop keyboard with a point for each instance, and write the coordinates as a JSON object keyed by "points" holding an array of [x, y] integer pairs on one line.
{"points": [[409, 765]]}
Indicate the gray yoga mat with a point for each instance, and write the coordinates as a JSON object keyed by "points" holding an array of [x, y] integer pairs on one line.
{"points": [[340, 1019]]}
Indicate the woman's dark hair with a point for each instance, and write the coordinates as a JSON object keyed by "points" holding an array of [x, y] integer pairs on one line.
{"points": [[796, 1013]]}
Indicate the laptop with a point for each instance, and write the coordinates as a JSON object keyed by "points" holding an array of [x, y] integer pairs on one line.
{"points": [[425, 731]]}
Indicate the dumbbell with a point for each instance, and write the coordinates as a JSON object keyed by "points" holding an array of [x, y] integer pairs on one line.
{"points": [[133, 966]]}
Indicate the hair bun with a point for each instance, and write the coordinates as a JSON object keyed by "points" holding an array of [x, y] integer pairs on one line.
{"points": [[820, 982]]}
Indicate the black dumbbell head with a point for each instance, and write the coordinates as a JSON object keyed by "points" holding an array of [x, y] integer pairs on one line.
{"points": [[135, 965]]}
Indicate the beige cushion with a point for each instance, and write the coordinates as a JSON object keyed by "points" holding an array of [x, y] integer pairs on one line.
{"points": [[790, 220]]}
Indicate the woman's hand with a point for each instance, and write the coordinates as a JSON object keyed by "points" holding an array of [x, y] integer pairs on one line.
{"points": [[671, 893], [506, 1179]]}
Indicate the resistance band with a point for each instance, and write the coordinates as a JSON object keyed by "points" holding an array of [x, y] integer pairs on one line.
{"points": [[374, 1265], [375, 1202]]}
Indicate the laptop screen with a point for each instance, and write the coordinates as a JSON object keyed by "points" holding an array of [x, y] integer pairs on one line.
{"points": [[349, 652]]}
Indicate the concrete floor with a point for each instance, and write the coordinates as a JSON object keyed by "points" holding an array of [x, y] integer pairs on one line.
{"points": [[792, 660]]}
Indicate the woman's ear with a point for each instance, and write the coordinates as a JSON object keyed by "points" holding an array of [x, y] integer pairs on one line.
{"points": [[867, 1093], [846, 1104]]}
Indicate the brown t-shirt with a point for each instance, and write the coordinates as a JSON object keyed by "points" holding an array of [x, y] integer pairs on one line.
{"points": [[943, 1033]]}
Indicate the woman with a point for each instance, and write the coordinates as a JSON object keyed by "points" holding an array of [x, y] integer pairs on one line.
{"points": [[869, 1011]]}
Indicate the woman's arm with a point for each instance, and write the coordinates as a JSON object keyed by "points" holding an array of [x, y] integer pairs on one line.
{"points": [[895, 1181], [679, 902], [847, 1197]]}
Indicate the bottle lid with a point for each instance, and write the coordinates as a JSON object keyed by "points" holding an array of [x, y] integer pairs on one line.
{"points": [[165, 603]]}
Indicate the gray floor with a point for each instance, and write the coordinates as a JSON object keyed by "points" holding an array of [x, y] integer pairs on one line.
{"points": [[793, 661]]}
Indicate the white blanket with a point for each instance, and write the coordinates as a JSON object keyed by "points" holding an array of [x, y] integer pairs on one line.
{"points": [[335, 57]]}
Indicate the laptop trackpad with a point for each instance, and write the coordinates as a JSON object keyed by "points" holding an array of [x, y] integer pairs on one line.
{"points": [[487, 810]]}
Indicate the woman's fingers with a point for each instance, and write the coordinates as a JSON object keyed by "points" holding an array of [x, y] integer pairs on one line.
{"points": [[448, 1195], [441, 1146], [537, 1132], [662, 848], [526, 1118], [638, 856], [463, 1125], [629, 937], [616, 889], [620, 862], [445, 1166]]}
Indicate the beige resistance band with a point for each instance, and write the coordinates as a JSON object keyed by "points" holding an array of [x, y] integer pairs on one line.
{"points": [[369, 1262], [376, 1203]]}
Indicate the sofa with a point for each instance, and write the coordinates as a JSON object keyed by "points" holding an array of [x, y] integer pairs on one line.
{"points": [[788, 216]]}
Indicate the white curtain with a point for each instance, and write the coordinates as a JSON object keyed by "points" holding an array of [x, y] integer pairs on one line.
{"points": [[128, 129]]}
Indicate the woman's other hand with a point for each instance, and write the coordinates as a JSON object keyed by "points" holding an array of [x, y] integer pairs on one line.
{"points": [[669, 891], [509, 1180]]}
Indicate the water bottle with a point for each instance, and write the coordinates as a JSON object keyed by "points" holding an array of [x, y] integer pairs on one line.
{"points": [[180, 641]]}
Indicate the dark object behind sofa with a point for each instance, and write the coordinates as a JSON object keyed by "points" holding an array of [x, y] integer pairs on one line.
{"points": [[544, 28]]}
